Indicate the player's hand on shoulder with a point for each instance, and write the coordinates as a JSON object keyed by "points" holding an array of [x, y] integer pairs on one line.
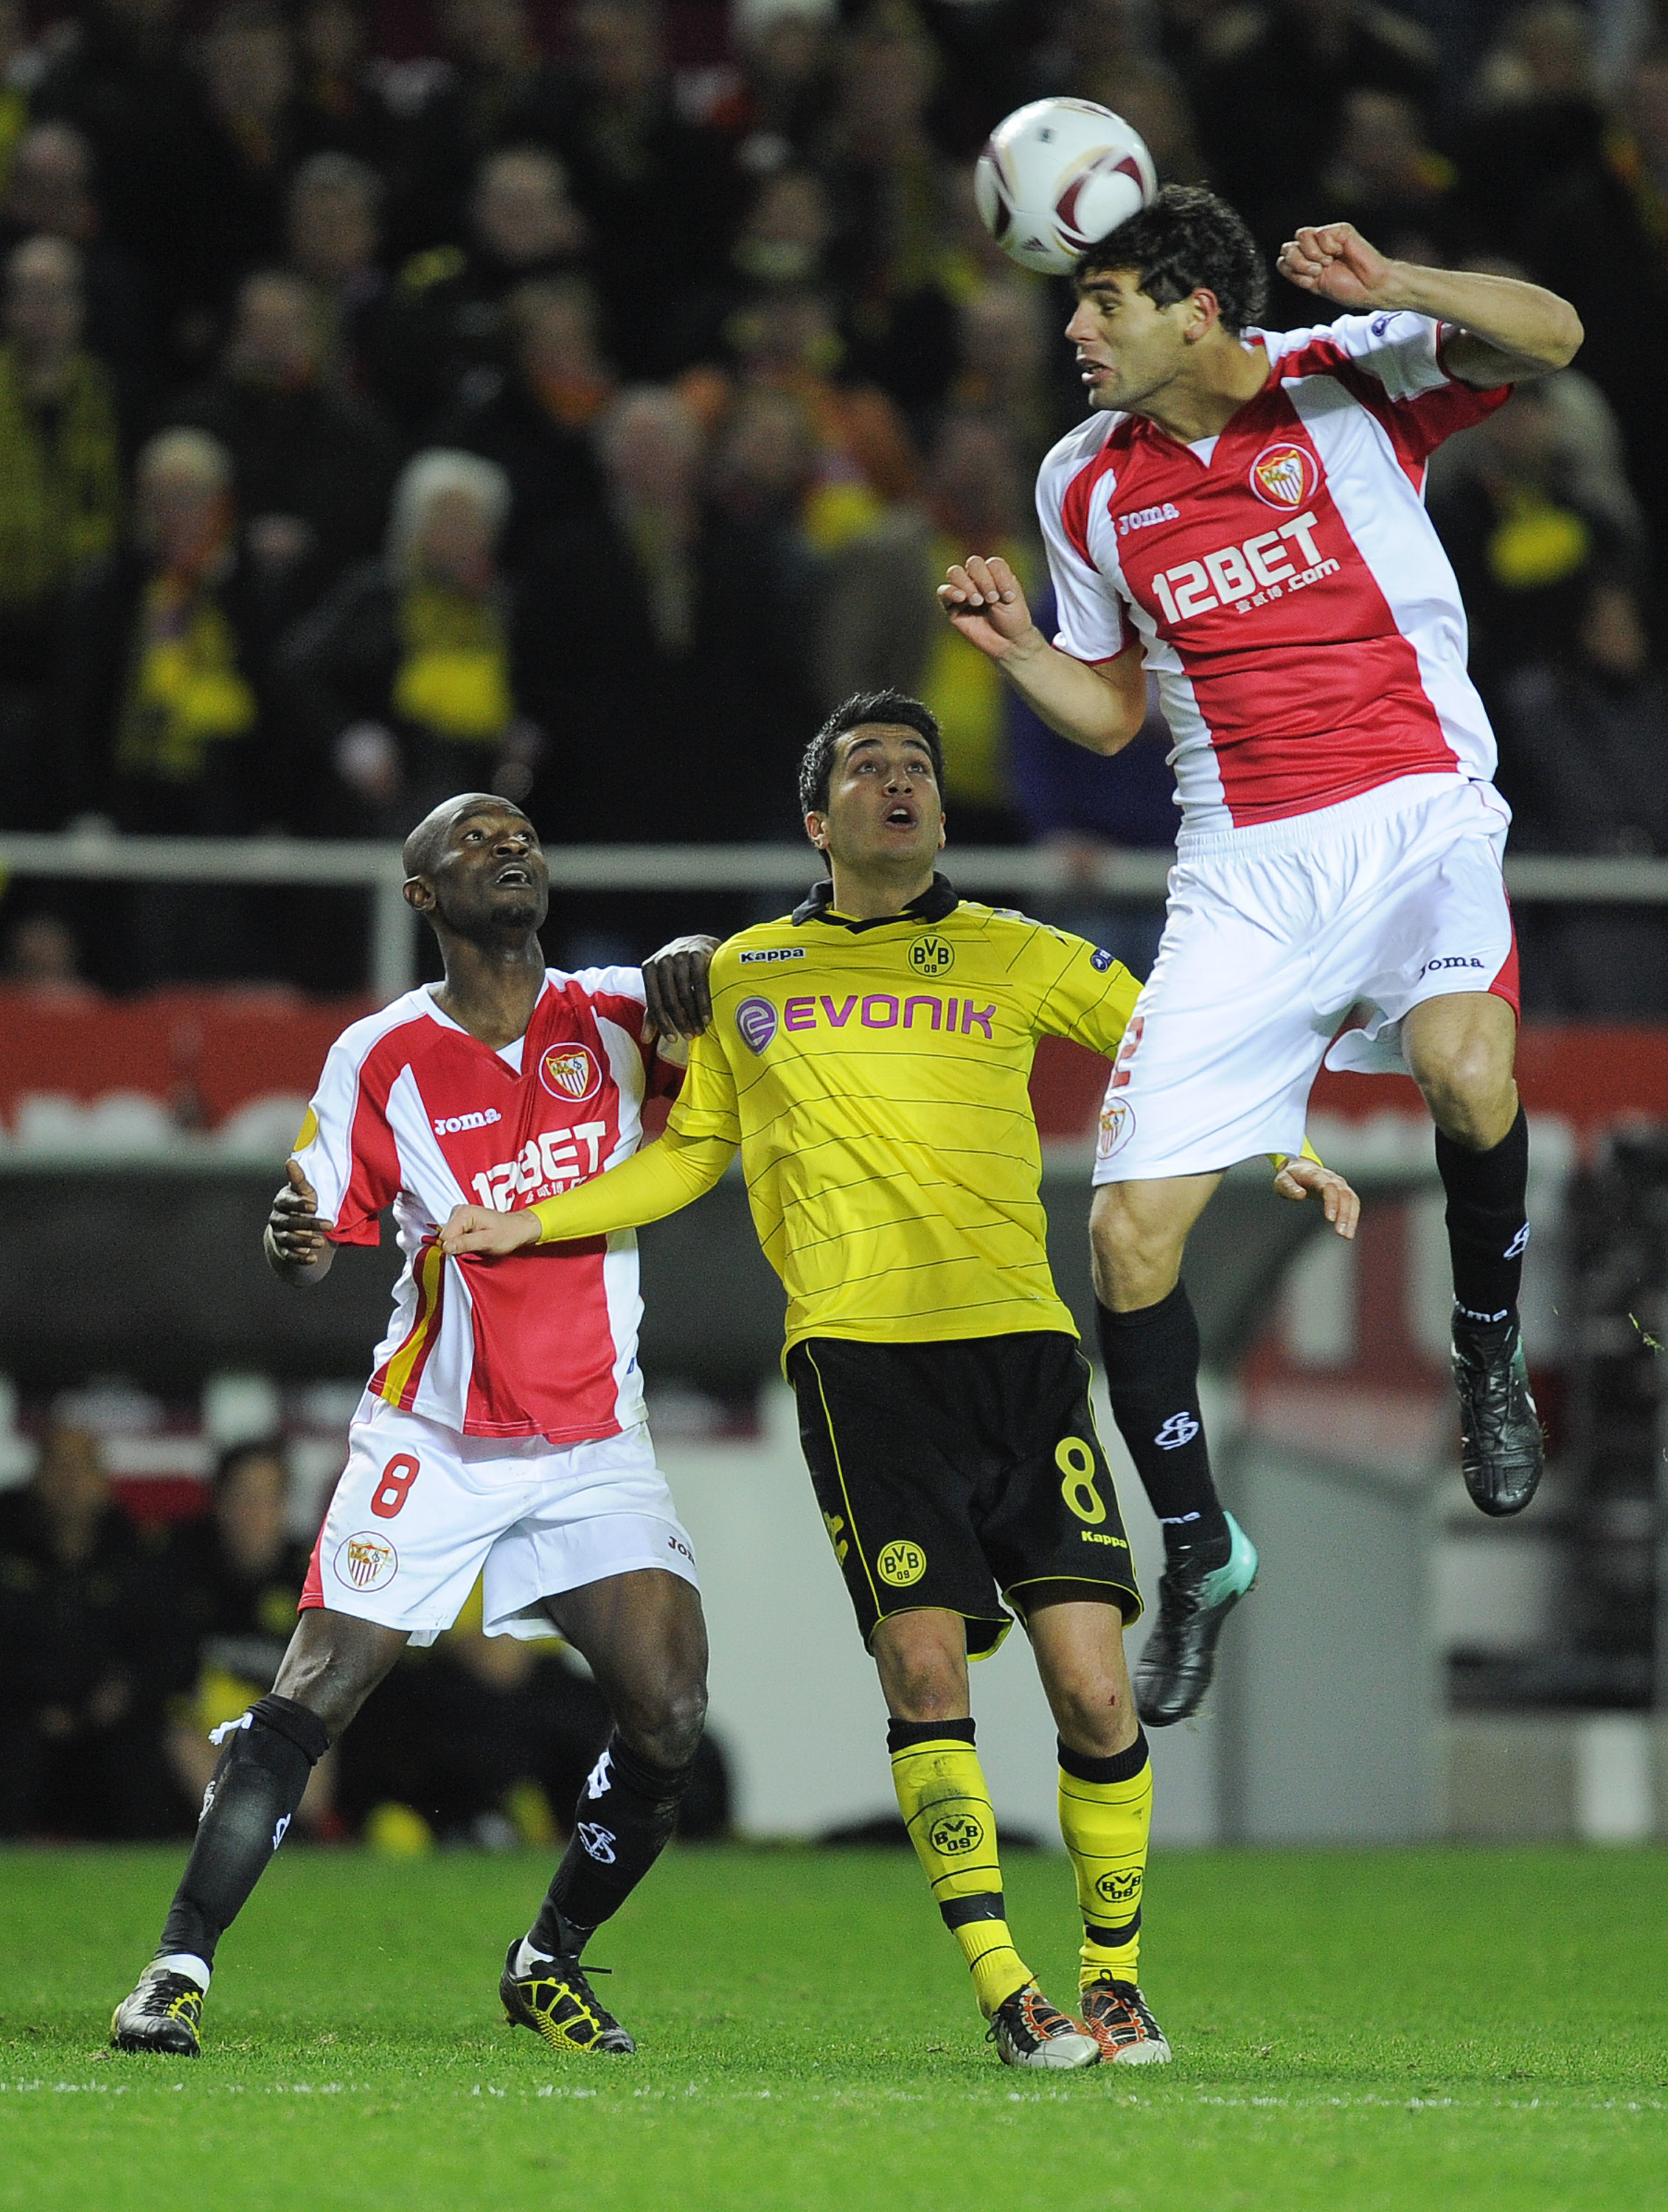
{"points": [[295, 1231], [1298, 1179], [479, 1232], [984, 601], [1333, 259], [678, 1003]]}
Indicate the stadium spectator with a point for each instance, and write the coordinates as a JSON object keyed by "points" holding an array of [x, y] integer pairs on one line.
{"points": [[1387, 179], [82, 1608], [313, 466], [1006, 349], [1103, 50], [1583, 751], [234, 1577], [60, 504], [535, 421], [774, 110], [1538, 125], [235, 158], [164, 694], [409, 679], [339, 106], [448, 318], [656, 190], [332, 231], [499, 91], [782, 240], [50, 192]]}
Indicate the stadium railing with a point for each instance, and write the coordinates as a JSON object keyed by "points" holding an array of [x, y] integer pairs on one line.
{"points": [[1035, 871]]}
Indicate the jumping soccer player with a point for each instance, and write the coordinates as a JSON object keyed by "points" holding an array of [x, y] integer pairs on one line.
{"points": [[501, 1433], [869, 1055], [1244, 514]]}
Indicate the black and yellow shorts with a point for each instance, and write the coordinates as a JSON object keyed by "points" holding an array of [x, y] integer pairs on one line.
{"points": [[949, 1473]]}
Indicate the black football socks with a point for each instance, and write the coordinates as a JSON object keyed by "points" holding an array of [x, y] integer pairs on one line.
{"points": [[249, 1803], [626, 1814], [1487, 1231], [1151, 1358]]}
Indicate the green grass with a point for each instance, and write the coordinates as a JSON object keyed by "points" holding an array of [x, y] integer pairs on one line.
{"points": [[1356, 2031]]}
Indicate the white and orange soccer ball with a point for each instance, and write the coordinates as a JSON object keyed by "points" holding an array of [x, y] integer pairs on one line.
{"points": [[1055, 176]]}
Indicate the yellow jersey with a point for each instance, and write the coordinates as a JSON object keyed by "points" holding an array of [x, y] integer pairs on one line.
{"points": [[874, 1076]]}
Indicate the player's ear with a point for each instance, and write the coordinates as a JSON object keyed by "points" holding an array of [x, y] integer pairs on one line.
{"points": [[419, 893], [816, 829], [1204, 312]]}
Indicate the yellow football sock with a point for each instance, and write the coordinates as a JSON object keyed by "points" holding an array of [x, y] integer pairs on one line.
{"points": [[1106, 1812], [947, 1809]]}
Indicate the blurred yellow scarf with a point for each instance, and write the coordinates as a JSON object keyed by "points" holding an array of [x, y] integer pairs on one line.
{"points": [[453, 676]]}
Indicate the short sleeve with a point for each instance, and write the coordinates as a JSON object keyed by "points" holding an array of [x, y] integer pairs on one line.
{"points": [[346, 1150], [1402, 355], [706, 1108], [1090, 996], [1090, 619]]}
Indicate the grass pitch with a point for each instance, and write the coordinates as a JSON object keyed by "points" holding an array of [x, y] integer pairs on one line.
{"points": [[1359, 2032]]}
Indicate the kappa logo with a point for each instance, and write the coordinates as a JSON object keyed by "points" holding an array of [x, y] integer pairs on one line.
{"points": [[599, 1843], [756, 1018], [835, 1524], [771, 955], [953, 1835], [932, 956], [597, 1781], [1285, 474], [365, 1561], [570, 1072], [1180, 1429], [901, 1564], [1119, 1888]]}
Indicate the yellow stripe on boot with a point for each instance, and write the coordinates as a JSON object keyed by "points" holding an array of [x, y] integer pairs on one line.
{"points": [[1105, 1814], [946, 1808]]}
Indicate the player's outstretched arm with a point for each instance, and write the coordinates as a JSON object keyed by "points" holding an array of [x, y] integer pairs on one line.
{"points": [[660, 1180], [1100, 709], [1297, 1179], [296, 1242], [1508, 329], [677, 1001]]}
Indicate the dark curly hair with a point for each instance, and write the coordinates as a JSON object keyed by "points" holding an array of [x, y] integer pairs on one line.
{"points": [[890, 710], [1188, 239]]}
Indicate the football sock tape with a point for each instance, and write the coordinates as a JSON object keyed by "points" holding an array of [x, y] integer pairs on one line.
{"points": [[1487, 1223], [247, 1806], [1151, 1358], [1105, 1814], [946, 1808]]}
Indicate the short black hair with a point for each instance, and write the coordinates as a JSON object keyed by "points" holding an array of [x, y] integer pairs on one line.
{"points": [[1188, 239], [891, 709]]}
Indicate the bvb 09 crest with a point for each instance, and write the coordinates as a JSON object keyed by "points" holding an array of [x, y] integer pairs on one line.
{"points": [[932, 956]]}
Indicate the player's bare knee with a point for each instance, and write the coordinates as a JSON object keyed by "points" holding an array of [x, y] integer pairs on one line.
{"points": [[1136, 1262], [1469, 1089], [1097, 1717], [665, 1723]]}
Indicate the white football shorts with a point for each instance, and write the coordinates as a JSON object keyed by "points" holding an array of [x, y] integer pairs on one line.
{"points": [[420, 1511], [1274, 936]]}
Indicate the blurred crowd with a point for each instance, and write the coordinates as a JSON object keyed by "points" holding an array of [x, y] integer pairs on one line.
{"points": [[124, 1644], [578, 404]]}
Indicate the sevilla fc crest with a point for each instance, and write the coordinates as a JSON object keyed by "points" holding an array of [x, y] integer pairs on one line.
{"points": [[1285, 474], [569, 1073]]}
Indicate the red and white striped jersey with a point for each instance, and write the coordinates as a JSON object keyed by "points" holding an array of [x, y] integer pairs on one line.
{"points": [[411, 1112], [1283, 578]]}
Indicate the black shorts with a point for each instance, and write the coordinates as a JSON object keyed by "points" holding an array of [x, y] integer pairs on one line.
{"points": [[949, 1473]]}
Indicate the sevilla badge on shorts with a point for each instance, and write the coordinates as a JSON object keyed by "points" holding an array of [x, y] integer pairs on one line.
{"points": [[570, 1072], [1285, 474]]}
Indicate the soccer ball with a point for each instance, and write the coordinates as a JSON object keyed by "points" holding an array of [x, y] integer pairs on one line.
{"points": [[1055, 176]]}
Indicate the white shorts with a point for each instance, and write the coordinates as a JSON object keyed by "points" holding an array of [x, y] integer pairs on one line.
{"points": [[420, 1511], [1273, 936]]}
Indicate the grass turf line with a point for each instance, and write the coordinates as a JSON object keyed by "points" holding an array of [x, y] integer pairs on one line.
{"points": [[1361, 2031]]}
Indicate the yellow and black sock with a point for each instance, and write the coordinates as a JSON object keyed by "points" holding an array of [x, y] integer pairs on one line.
{"points": [[1106, 1812], [947, 1809]]}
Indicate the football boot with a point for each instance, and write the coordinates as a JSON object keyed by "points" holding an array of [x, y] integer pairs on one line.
{"points": [[1501, 1450], [556, 2001], [161, 2015], [1177, 1660], [1115, 2013], [1028, 2030]]}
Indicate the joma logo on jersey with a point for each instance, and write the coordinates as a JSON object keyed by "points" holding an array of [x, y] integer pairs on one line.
{"points": [[450, 1125], [953, 1835], [1144, 517], [1256, 570], [546, 1162], [570, 1072]]}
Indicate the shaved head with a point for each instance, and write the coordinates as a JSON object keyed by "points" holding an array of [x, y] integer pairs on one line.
{"points": [[422, 848]]}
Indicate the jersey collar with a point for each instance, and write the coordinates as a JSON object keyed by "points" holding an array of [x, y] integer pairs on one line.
{"points": [[937, 900]]}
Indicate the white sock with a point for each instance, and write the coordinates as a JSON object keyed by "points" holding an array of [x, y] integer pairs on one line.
{"points": [[187, 1963], [526, 1958]]}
